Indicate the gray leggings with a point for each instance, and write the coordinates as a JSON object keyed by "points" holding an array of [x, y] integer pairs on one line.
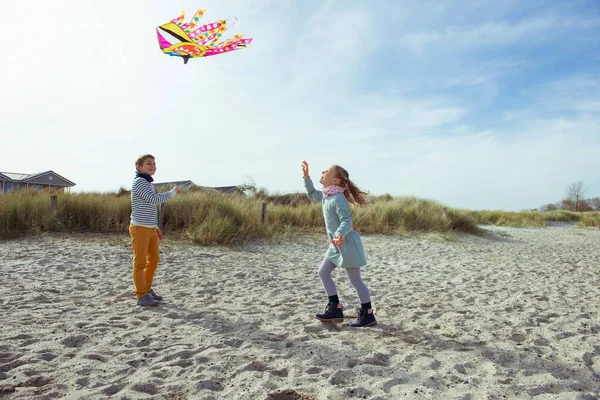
{"points": [[327, 268]]}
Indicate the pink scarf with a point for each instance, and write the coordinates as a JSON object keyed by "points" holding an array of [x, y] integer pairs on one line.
{"points": [[331, 190]]}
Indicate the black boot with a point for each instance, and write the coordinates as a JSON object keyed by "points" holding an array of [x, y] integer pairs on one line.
{"points": [[365, 318], [333, 312]]}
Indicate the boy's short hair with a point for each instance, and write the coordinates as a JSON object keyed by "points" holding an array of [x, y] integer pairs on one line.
{"points": [[142, 158]]}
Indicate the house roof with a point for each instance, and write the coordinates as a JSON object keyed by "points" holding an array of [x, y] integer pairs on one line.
{"points": [[225, 189], [221, 189], [176, 183], [15, 176]]}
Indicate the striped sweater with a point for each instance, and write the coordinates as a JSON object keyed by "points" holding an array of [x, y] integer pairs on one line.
{"points": [[144, 200]]}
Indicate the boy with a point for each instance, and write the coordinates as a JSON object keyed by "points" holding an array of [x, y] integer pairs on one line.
{"points": [[144, 229]]}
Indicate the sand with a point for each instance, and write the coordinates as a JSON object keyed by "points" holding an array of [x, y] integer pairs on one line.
{"points": [[514, 314]]}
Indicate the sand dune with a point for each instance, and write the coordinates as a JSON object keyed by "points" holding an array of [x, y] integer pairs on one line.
{"points": [[511, 315]]}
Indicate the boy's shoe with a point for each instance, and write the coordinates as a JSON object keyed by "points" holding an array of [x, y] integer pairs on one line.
{"points": [[365, 318], [333, 312], [147, 300], [154, 295]]}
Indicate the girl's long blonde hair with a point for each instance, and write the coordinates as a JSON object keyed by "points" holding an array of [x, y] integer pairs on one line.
{"points": [[352, 193]]}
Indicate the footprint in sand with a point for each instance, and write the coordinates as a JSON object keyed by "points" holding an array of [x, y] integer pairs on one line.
{"points": [[210, 385], [82, 382], [342, 377], [379, 359], [289, 394], [97, 357], [181, 363], [283, 372], [146, 388], [388, 385], [74, 341]]}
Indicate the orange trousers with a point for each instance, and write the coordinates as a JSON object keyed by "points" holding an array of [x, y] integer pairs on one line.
{"points": [[144, 242]]}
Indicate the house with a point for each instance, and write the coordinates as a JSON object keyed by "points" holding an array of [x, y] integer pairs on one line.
{"points": [[164, 186], [12, 182]]}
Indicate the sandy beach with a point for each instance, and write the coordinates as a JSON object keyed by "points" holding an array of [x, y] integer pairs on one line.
{"points": [[512, 315]]}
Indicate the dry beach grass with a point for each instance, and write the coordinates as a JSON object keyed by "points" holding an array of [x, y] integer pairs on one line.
{"points": [[512, 314]]}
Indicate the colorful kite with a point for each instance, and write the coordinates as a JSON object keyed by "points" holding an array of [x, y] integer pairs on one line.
{"points": [[189, 40]]}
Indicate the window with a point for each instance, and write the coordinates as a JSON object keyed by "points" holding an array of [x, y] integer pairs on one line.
{"points": [[10, 187]]}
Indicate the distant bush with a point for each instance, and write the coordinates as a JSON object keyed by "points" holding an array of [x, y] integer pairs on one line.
{"points": [[531, 218]]}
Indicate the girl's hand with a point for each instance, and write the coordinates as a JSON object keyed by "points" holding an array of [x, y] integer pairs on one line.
{"points": [[159, 233], [305, 169], [338, 240]]}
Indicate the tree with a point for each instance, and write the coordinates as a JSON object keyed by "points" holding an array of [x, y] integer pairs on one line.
{"points": [[594, 203], [575, 193], [249, 186], [551, 207]]}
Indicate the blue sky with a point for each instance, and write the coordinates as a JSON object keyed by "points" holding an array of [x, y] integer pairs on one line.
{"points": [[481, 105]]}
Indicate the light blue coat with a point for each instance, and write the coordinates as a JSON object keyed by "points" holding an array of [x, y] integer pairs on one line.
{"points": [[336, 211]]}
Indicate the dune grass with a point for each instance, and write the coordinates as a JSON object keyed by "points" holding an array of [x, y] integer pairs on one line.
{"points": [[29, 212], [590, 219], [214, 218]]}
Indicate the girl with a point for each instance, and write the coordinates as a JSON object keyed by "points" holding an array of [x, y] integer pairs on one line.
{"points": [[346, 249]]}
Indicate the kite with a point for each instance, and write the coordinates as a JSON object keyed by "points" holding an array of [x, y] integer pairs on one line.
{"points": [[190, 40]]}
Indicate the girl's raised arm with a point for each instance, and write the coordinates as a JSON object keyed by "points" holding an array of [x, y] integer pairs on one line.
{"points": [[313, 193]]}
